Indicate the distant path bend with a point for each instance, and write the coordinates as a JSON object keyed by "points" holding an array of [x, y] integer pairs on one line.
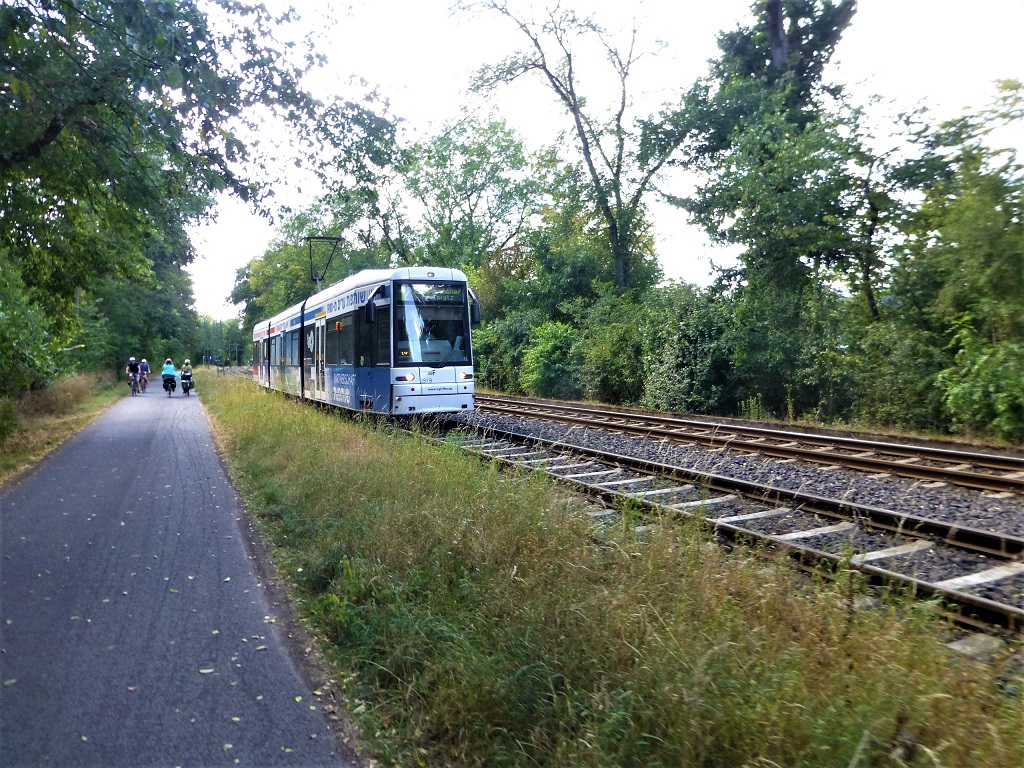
{"points": [[134, 630]]}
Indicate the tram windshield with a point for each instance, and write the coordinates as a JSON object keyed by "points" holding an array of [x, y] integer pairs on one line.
{"points": [[431, 324]]}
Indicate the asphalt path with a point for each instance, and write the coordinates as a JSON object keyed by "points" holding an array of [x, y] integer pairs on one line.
{"points": [[134, 628]]}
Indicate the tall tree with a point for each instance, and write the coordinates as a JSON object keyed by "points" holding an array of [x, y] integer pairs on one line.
{"points": [[476, 187], [961, 271], [119, 121], [620, 160], [783, 53], [782, 177]]}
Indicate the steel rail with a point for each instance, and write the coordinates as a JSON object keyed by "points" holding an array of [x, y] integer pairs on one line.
{"points": [[981, 611], [654, 426], [975, 539]]}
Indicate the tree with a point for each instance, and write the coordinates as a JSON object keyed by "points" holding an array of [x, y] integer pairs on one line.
{"points": [[363, 176], [960, 275], [620, 159], [783, 53], [119, 121], [476, 187], [686, 360], [784, 177], [550, 368], [807, 199]]}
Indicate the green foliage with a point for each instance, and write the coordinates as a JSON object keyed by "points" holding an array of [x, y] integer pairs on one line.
{"points": [[780, 58], [611, 352], [882, 288], [283, 275], [786, 48], [476, 186], [499, 347], [972, 262], [686, 357], [895, 373], [619, 161], [959, 282], [984, 389], [222, 340], [26, 337], [120, 121], [820, 386], [550, 368]]}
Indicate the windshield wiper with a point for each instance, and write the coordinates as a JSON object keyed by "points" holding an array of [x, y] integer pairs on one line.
{"points": [[456, 348]]}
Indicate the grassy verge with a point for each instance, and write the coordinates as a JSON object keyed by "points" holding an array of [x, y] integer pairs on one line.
{"points": [[37, 422], [474, 621]]}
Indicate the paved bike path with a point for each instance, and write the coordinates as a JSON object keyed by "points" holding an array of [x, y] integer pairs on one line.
{"points": [[133, 629]]}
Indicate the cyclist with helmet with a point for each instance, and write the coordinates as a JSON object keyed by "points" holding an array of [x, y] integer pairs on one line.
{"points": [[169, 373], [144, 372], [186, 377], [132, 369]]}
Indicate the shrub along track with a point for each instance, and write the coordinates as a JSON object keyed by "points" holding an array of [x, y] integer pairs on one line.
{"points": [[931, 539]]}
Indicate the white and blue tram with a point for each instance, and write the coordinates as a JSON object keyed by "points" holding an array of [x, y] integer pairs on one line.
{"points": [[392, 341]]}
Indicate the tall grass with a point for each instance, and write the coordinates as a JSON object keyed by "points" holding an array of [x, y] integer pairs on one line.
{"points": [[39, 420], [63, 396], [480, 622]]}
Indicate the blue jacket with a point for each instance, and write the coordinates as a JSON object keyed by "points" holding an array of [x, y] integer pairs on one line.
{"points": [[168, 370]]}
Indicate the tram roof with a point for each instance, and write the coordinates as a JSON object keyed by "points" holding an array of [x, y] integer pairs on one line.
{"points": [[367, 277]]}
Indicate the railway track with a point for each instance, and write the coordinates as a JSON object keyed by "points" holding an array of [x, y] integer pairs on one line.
{"points": [[978, 573], [976, 470]]}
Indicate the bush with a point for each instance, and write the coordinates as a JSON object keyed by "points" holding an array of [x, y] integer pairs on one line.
{"points": [[984, 389], [687, 362], [549, 368], [610, 351], [9, 421], [60, 398], [498, 348], [25, 336], [896, 367]]}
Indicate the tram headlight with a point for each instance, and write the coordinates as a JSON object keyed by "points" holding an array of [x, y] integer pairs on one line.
{"points": [[406, 377]]}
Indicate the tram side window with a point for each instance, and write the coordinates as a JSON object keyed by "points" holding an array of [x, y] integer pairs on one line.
{"points": [[340, 340], [293, 348], [363, 341], [257, 353], [331, 343], [382, 332], [275, 350]]}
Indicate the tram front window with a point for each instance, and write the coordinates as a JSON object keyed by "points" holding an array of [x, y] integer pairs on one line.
{"points": [[431, 325]]}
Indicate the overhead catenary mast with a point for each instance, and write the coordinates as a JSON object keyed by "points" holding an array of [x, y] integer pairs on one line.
{"points": [[318, 276]]}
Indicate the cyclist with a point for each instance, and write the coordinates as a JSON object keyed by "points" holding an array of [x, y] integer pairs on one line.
{"points": [[168, 372], [186, 376], [132, 369], [144, 372]]}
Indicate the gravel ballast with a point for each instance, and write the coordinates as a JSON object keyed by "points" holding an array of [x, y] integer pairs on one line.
{"points": [[1002, 512]]}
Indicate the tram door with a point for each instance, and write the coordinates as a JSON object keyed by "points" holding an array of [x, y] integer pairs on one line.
{"points": [[319, 369]]}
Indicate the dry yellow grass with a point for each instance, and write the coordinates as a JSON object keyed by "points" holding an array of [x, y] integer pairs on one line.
{"points": [[46, 418]]}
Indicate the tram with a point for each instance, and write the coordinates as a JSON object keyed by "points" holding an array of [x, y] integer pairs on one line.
{"points": [[388, 341]]}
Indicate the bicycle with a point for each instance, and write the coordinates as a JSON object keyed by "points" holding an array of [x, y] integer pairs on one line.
{"points": [[133, 382], [143, 383]]}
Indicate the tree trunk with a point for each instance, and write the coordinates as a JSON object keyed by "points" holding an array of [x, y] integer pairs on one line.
{"points": [[779, 43]]}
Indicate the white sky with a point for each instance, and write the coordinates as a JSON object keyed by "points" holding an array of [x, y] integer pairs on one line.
{"points": [[944, 54]]}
